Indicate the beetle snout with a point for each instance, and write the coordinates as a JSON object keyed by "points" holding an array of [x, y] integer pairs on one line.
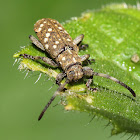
{"points": [[75, 73]]}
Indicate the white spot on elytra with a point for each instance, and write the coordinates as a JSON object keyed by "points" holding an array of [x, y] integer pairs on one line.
{"points": [[50, 29], [74, 59], [47, 34], [45, 40], [45, 22], [63, 58], [60, 28], [46, 46], [39, 29], [56, 42], [41, 25], [68, 39], [54, 46]]}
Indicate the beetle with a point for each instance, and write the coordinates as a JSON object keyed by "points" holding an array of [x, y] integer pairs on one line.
{"points": [[54, 40]]}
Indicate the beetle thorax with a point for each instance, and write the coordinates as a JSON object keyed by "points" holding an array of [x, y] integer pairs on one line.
{"points": [[75, 73]]}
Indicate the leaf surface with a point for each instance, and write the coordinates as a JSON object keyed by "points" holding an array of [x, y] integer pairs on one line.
{"points": [[113, 36]]}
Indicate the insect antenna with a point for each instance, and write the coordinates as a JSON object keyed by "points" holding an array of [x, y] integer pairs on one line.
{"points": [[115, 80], [61, 87], [47, 105]]}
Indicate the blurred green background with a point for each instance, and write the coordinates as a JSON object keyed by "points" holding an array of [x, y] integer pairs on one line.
{"points": [[21, 100]]}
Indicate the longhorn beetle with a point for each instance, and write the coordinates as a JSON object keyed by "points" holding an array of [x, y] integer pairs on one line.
{"points": [[55, 40]]}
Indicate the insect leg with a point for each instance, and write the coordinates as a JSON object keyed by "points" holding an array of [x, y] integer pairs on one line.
{"points": [[78, 41], [45, 59], [36, 42], [89, 72], [59, 78], [84, 57], [84, 46], [61, 87], [89, 83]]}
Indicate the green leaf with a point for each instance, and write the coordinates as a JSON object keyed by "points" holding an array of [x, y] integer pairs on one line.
{"points": [[113, 35]]}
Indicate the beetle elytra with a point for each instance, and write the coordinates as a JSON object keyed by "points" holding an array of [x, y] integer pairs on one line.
{"points": [[54, 40]]}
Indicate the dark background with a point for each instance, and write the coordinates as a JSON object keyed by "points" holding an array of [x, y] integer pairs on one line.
{"points": [[21, 100]]}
